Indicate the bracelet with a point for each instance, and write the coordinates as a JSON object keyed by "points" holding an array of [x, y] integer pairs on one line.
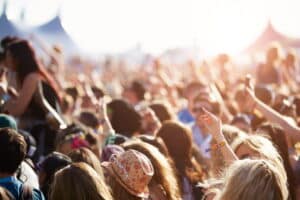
{"points": [[216, 146]]}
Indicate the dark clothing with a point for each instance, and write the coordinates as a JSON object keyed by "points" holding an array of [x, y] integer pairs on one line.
{"points": [[35, 112]]}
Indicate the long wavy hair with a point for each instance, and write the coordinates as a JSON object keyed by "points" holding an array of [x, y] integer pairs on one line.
{"points": [[26, 63], [178, 140]]}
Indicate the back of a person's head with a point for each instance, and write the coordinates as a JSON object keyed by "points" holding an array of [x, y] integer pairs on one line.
{"points": [[89, 118], [47, 168], [162, 111], [194, 86], [123, 117], [8, 39], [12, 150], [139, 89], [87, 156], [254, 179], [79, 181], [24, 55], [177, 139], [262, 149], [163, 171]]}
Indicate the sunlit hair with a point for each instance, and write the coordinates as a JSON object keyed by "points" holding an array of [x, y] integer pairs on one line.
{"points": [[87, 156], [79, 181], [277, 136], [253, 179], [178, 140], [164, 174], [263, 148]]}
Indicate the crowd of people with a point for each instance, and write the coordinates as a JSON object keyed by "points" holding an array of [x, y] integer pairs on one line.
{"points": [[81, 130]]}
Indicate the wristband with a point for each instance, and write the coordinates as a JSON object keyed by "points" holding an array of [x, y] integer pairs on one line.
{"points": [[216, 146]]}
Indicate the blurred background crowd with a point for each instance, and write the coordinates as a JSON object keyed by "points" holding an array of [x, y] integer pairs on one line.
{"points": [[183, 123]]}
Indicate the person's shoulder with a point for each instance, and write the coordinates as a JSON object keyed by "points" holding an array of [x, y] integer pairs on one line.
{"points": [[33, 76]]}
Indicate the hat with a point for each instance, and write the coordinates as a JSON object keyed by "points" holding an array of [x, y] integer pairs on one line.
{"points": [[132, 170], [110, 150], [7, 121]]}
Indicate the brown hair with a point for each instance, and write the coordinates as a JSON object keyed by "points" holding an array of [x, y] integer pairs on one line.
{"points": [[87, 156], [164, 174], [78, 181], [118, 191], [178, 140]]}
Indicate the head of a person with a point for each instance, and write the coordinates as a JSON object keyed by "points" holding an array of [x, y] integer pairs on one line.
{"points": [[162, 111], [157, 142], [201, 102], [129, 175], [192, 90], [48, 167], [164, 174], [89, 118], [178, 140], [110, 150], [135, 93], [258, 147], [273, 53], [7, 121], [291, 58], [3, 46], [124, 118], [20, 57], [87, 156], [78, 181], [13, 150], [253, 179], [243, 122], [76, 136], [278, 138]]}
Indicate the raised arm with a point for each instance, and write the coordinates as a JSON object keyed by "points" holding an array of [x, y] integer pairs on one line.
{"points": [[272, 115], [214, 125]]}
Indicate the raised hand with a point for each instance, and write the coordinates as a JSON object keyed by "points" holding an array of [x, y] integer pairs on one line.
{"points": [[213, 124]]}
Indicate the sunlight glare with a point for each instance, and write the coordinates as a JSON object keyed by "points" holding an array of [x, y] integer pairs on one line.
{"points": [[32, 12]]}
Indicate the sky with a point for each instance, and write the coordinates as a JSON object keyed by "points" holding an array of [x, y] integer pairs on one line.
{"points": [[156, 25]]}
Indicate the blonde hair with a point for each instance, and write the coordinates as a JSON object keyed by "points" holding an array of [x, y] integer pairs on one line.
{"points": [[78, 181], [263, 147], [253, 179]]}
